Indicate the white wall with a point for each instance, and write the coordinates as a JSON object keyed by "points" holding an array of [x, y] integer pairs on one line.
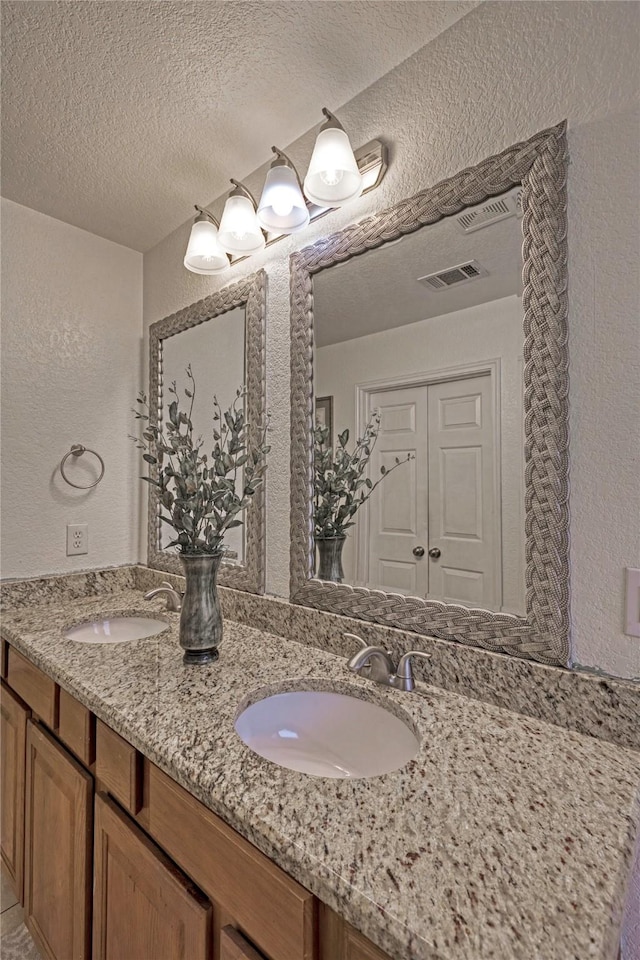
{"points": [[71, 350], [488, 331], [497, 76]]}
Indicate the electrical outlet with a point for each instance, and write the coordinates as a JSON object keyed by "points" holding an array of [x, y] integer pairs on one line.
{"points": [[77, 539]]}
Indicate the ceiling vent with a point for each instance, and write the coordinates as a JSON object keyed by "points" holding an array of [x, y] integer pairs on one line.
{"points": [[453, 276], [499, 208]]}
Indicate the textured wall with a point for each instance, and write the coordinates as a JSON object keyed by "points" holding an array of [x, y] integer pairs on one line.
{"points": [[499, 75], [71, 338]]}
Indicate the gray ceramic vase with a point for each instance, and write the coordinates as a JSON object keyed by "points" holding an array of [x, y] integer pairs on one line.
{"points": [[330, 558], [201, 615]]}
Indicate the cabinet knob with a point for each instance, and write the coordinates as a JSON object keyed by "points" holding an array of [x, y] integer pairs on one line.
{"points": [[434, 553], [418, 551]]}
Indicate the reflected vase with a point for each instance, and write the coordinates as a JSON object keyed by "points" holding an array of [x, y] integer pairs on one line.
{"points": [[201, 614], [330, 558]]}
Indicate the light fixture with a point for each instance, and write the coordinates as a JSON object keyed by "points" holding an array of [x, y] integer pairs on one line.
{"points": [[333, 178], [336, 175], [282, 207], [240, 231], [204, 253]]}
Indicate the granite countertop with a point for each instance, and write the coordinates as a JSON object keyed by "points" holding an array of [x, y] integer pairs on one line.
{"points": [[507, 838]]}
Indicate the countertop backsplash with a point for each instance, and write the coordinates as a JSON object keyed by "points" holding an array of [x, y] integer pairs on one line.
{"points": [[505, 835], [604, 707]]}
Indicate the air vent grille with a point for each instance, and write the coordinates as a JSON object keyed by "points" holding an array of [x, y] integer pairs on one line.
{"points": [[499, 208], [462, 273]]}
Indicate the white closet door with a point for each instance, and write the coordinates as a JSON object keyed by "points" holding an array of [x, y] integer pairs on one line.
{"points": [[432, 529], [398, 512], [464, 518]]}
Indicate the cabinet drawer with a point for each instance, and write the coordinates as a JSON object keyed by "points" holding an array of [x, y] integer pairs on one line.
{"points": [[77, 728], [274, 911], [118, 767], [37, 690]]}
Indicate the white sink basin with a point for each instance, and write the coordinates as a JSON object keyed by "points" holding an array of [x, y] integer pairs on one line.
{"points": [[327, 734], [116, 630]]}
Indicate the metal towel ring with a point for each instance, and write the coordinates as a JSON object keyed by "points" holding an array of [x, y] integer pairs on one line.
{"points": [[76, 451]]}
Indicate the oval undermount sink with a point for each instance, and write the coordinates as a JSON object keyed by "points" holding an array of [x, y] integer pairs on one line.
{"points": [[327, 734], [115, 630]]}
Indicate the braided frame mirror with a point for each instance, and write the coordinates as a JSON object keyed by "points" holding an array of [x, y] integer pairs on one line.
{"points": [[540, 166], [249, 293]]}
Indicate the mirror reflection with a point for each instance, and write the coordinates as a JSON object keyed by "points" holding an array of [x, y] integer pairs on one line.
{"points": [[215, 349], [419, 372]]}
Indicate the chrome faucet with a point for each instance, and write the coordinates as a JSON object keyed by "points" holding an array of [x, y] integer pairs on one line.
{"points": [[376, 664], [174, 598]]}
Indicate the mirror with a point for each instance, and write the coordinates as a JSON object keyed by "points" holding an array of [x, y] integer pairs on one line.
{"points": [[215, 352], [425, 335], [221, 340], [439, 326]]}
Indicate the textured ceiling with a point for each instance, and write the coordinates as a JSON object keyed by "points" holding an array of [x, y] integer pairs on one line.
{"points": [[118, 116], [379, 290]]}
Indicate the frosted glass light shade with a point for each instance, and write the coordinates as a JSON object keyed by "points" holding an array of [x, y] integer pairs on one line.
{"points": [[240, 231], [282, 207], [204, 253], [333, 178]]}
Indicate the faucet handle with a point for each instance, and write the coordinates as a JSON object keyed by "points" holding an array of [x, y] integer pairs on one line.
{"points": [[405, 670], [354, 636]]}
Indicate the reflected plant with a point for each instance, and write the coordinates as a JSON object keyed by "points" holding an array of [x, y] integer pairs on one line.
{"points": [[340, 485], [198, 492]]}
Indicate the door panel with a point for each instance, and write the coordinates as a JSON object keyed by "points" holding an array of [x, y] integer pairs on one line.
{"points": [[446, 499], [396, 496], [396, 519], [233, 946], [143, 906], [464, 514], [397, 576], [13, 734], [58, 839], [466, 585], [459, 513]]}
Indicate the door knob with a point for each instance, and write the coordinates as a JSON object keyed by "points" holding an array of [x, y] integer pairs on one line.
{"points": [[418, 551], [434, 553]]}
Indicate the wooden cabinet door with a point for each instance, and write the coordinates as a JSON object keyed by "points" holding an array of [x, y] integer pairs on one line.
{"points": [[13, 732], [143, 907], [248, 890], [338, 940], [233, 946], [58, 835]]}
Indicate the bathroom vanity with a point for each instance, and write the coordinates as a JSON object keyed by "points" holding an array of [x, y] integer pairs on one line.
{"points": [[86, 815], [504, 837]]}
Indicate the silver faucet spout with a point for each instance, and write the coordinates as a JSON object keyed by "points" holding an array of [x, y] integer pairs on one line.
{"points": [[379, 663], [174, 599]]}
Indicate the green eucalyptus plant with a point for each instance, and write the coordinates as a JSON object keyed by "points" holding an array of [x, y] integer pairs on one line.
{"points": [[198, 492], [340, 485]]}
